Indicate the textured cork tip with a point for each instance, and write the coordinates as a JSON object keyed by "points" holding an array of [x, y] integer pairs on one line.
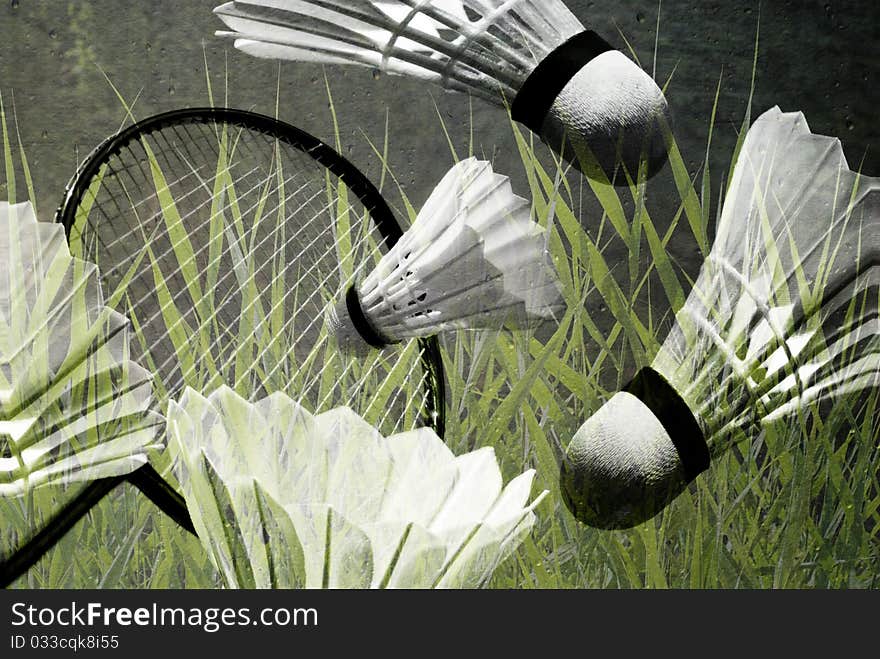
{"points": [[340, 326], [621, 467], [617, 110]]}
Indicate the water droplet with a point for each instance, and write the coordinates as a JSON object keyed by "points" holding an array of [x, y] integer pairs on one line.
{"points": [[15, 4], [376, 74], [850, 124], [44, 134], [53, 34], [640, 17], [149, 46]]}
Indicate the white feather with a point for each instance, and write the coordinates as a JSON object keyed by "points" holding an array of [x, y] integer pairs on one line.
{"points": [[447, 41], [73, 407], [792, 250], [282, 498]]}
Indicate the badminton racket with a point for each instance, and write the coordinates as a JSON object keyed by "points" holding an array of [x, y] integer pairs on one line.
{"points": [[222, 235]]}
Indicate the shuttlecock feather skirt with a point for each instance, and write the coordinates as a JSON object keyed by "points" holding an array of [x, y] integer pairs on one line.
{"points": [[457, 276], [73, 407], [284, 498]]}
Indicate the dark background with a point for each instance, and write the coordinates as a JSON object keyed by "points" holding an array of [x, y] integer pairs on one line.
{"points": [[818, 57]]}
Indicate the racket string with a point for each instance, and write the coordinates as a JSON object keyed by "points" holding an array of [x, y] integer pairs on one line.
{"points": [[171, 247], [178, 270], [342, 287], [231, 290], [272, 254], [247, 309]]}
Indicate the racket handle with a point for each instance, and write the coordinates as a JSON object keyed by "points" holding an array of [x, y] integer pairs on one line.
{"points": [[64, 520], [165, 497], [146, 479]]}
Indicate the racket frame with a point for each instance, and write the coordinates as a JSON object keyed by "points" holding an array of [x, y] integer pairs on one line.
{"points": [[146, 478]]}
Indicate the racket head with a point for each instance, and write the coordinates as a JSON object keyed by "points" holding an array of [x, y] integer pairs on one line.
{"points": [[224, 235]]}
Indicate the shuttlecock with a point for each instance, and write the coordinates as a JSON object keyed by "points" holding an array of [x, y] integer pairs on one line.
{"points": [[783, 314], [72, 405], [564, 82], [282, 498], [472, 259]]}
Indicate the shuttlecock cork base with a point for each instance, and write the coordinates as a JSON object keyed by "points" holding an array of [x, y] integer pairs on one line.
{"points": [[633, 456], [354, 332], [597, 108]]}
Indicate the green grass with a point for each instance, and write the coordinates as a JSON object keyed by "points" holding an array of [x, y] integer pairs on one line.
{"points": [[796, 506]]}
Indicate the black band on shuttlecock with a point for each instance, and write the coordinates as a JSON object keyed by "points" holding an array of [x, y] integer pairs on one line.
{"points": [[360, 321], [676, 418], [549, 78]]}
